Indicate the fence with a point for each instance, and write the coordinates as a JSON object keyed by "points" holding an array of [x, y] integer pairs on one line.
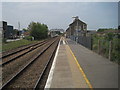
{"points": [[86, 41], [109, 48], [107, 45], [104, 48]]}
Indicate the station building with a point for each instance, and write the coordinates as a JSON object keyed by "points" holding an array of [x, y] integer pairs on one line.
{"points": [[77, 31], [76, 28]]}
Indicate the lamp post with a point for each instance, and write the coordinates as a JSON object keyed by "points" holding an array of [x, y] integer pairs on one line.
{"points": [[70, 32], [77, 28]]}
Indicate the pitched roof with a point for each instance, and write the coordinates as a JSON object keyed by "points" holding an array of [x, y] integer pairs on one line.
{"points": [[78, 21]]}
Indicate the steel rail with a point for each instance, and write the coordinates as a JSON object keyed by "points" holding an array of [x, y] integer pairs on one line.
{"points": [[33, 48], [24, 48], [25, 67], [14, 58], [43, 71]]}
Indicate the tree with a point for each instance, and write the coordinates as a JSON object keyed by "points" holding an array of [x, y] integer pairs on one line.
{"points": [[38, 30], [25, 30]]}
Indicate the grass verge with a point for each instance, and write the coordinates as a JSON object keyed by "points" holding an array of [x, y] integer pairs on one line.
{"points": [[15, 44]]}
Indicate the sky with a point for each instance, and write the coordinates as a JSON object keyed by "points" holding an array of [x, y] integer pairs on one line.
{"points": [[59, 14], [59, 0], [119, 14]]}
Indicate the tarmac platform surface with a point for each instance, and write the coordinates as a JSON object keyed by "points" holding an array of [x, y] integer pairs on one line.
{"points": [[75, 66]]}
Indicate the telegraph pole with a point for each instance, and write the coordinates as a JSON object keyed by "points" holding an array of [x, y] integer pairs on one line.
{"points": [[19, 26]]}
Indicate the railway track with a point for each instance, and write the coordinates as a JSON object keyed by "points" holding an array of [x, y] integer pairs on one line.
{"points": [[20, 52], [31, 74], [10, 69]]}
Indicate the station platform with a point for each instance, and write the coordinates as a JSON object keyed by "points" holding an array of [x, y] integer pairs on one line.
{"points": [[75, 66]]}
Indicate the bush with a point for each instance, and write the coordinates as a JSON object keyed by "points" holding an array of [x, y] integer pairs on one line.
{"points": [[28, 38], [116, 50], [109, 36]]}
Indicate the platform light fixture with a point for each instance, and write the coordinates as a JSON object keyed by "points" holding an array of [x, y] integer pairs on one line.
{"points": [[76, 37]]}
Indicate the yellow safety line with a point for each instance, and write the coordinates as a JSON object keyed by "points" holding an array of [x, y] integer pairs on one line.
{"points": [[81, 70]]}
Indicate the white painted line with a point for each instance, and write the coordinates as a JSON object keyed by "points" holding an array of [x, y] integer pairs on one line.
{"points": [[64, 42], [49, 80]]}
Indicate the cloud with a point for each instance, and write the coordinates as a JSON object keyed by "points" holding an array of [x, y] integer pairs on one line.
{"points": [[0, 11], [59, 15], [60, 0]]}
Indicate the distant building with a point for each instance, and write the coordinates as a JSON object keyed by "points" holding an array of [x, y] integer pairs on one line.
{"points": [[119, 27], [9, 32], [6, 30], [19, 33], [3, 28], [89, 32], [26, 33], [56, 32]]}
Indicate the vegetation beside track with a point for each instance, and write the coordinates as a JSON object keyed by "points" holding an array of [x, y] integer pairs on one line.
{"points": [[101, 43], [15, 44]]}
